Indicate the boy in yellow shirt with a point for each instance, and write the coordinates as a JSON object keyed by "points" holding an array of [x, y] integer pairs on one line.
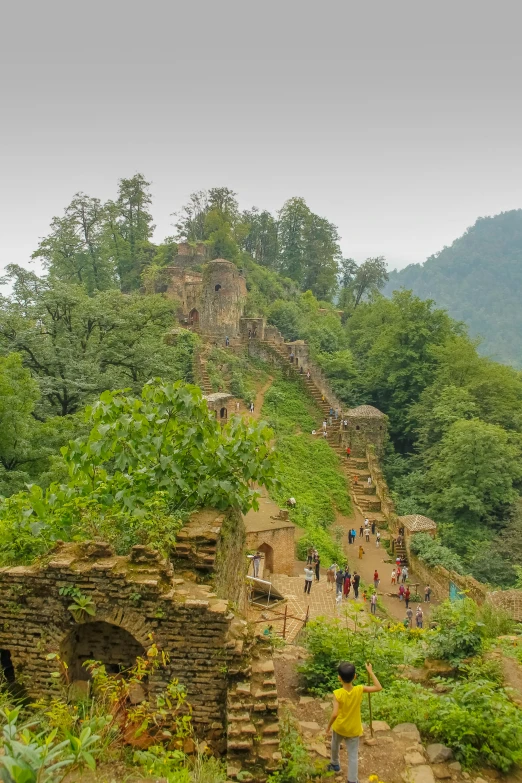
{"points": [[346, 718]]}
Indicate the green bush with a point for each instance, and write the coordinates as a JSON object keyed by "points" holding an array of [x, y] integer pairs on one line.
{"points": [[329, 642], [463, 628], [475, 718], [433, 553]]}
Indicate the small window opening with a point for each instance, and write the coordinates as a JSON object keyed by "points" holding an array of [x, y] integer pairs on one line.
{"points": [[217, 287], [357, 427]]}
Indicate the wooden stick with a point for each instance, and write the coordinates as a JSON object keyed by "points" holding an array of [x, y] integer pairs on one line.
{"points": [[370, 705]]}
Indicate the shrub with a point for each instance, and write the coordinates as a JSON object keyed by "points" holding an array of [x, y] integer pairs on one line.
{"points": [[476, 719], [460, 632], [329, 642], [433, 553]]}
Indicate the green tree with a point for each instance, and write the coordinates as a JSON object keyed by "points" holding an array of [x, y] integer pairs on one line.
{"points": [[395, 342], [261, 241], [128, 230], [361, 282], [74, 250], [471, 479], [308, 248], [76, 346]]}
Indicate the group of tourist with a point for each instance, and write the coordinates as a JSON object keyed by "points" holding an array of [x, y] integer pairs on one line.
{"points": [[312, 568], [343, 580]]}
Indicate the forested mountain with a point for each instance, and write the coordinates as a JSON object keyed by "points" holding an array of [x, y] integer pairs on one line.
{"points": [[478, 280]]}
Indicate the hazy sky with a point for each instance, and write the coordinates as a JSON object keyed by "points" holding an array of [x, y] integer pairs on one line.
{"points": [[398, 121]]}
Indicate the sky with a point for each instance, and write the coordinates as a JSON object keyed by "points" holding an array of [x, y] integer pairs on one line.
{"points": [[399, 121]]}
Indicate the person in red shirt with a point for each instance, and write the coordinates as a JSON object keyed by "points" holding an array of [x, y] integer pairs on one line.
{"points": [[407, 596], [348, 452], [376, 579]]}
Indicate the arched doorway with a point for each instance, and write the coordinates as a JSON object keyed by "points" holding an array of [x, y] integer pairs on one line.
{"points": [[193, 317], [217, 287], [268, 562], [223, 413], [113, 646]]}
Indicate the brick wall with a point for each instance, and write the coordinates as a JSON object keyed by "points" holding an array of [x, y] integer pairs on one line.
{"points": [[134, 597], [281, 541]]}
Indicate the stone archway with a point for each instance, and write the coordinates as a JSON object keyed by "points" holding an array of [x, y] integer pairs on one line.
{"points": [[101, 641], [194, 317], [268, 562]]}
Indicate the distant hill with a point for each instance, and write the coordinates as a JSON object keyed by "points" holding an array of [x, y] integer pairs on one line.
{"points": [[478, 279]]}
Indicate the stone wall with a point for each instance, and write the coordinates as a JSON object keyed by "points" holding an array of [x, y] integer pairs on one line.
{"points": [[223, 298], [185, 286], [509, 601], [136, 598], [381, 488], [278, 548], [256, 327], [439, 579]]}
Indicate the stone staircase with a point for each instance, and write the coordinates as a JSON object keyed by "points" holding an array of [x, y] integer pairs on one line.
{"points": [[365, 495], [252, 720]]}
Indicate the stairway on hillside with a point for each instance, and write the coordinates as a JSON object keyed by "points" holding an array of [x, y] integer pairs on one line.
{"points": [[364, 495]]}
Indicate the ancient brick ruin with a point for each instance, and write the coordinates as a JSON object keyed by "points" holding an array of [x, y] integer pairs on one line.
{"points": [[183, 607]]}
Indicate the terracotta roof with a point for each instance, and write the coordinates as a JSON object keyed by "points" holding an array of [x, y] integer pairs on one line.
{"points": [[416, 523], [365, 411]]}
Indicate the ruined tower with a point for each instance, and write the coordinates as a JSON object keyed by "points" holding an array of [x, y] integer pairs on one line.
{"points": [[222, 299]]}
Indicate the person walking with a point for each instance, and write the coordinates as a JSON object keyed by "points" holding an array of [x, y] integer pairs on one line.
{"points": [[339, 582], [309, 555], [373, 527], [355, 479], [419, 617], [354, 534], [330, 577], [378, 540], [348, 452], [404, 573], [398, 574], [349, 536], [356, 580], [347, 583], [393, 576], [251, 407], [361, 531], [309, 578], [407, 594], [369, 481], [409, 616], [367, 535], [324, 425], [427, 594], [317, 568], [376, 579], [361, 552], [237, 406], [366, 523], [308, 374], [345, 722], [373, 603], [401, 592], [256, 561], [227, 342]]}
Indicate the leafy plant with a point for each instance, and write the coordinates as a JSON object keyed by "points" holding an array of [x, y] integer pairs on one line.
{"points": [[31, 757], [296, 765]]}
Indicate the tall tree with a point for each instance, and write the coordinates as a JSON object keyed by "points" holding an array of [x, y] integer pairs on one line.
{"points": [[74, 251], [361, 282], [129, 228], [261, 241], [293, 218]]}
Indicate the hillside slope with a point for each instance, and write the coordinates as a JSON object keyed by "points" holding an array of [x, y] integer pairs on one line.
{"points": [[478, 279]]}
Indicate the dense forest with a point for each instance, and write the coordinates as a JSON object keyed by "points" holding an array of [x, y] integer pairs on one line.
{"points": [[478, 280], [89, 326]]}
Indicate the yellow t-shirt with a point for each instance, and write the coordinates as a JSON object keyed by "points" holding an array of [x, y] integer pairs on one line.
{"points": [[348, 721]]}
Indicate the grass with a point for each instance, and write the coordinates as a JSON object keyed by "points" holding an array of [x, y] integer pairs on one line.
{"points": [[308, 470]]}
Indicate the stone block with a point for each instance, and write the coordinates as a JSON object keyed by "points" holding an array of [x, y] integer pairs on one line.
{"points": [[379, 725], [414, 758], [438, 753], [441, 771], [419, 774], [408, 730]]}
